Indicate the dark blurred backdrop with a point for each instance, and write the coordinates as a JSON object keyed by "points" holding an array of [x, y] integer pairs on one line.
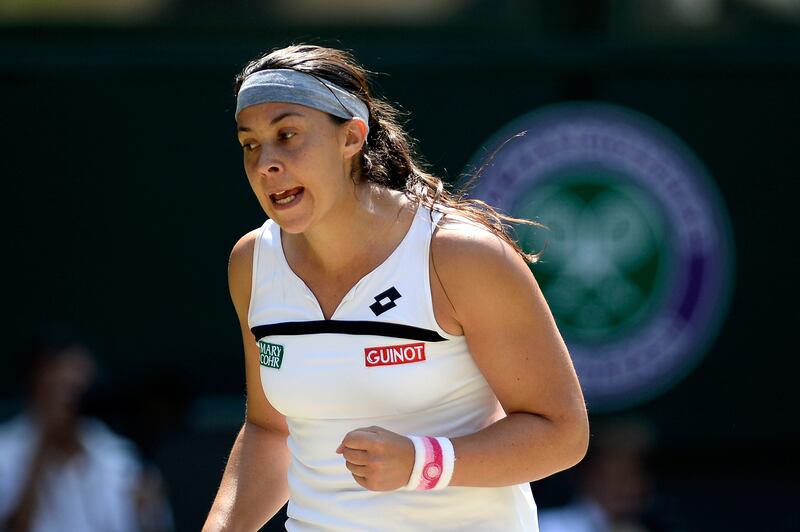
{"points": [[124, 194]]}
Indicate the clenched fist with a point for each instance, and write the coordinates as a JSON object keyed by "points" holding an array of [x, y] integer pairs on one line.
{"points": [[379, 459]]}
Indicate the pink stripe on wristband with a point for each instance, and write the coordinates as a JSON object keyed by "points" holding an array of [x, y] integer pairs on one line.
{"points": [[433, 466]]}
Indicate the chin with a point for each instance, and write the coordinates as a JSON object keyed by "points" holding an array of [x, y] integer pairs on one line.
{"points": [[291, 225], [293, 220], [292, 229]]}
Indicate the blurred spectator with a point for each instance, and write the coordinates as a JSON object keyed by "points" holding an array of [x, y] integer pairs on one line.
{"points": [[614, 487], [60, 470]]}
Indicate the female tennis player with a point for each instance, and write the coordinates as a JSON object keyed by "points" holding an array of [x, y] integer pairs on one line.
{"points": [[403, 369]]}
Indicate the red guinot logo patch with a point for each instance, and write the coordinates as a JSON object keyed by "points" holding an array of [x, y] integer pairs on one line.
{"points": [[390, 355]]}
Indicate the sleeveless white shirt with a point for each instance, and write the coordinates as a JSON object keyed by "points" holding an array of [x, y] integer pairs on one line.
{"points": [[382, 360]]}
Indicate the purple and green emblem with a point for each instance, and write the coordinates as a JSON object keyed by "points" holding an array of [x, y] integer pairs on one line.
{"points": [[638, 257]]}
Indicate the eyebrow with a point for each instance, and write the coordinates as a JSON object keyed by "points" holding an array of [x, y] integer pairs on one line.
{"points": [[274, 120]]}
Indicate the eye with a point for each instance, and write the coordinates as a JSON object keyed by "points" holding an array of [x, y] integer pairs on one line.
{"points": [[286, 135], [249, 146]]}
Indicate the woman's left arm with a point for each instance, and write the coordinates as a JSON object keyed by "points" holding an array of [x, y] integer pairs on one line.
{"points": [[515, 343]]}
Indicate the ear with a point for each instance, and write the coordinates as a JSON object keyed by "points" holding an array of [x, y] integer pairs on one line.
{"points": [[355, 135]]}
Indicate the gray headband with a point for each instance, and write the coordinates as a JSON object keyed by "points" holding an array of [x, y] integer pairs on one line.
{"points": [[291, 86]]}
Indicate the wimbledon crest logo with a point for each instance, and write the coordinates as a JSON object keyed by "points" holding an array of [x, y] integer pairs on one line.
{"points": [[637, 265]]}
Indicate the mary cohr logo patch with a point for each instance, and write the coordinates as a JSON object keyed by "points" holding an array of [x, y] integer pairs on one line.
{"points": [[271, 354]]}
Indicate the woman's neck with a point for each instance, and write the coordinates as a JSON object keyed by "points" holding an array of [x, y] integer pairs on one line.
{"points": [[355, 232]]}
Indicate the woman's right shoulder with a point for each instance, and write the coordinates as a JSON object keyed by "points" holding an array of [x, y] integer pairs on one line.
{"points": [[243, 249], [240, 268]]}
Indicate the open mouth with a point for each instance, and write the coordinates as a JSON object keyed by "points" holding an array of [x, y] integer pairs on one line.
{"points": [[284, 198]]}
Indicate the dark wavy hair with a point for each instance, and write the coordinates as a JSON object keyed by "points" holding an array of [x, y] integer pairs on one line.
{"points": [[389, 156]]}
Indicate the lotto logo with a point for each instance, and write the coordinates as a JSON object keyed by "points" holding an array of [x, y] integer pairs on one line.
{"points": [[385, 301], [390, 355]]}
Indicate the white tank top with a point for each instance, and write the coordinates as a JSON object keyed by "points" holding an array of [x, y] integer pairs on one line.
{"points": [[383, 360]]}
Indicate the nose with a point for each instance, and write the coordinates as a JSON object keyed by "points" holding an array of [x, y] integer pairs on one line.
{"points": [[268, 165]]}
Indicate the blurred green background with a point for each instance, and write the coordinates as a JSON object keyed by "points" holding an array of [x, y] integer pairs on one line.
{"points": [[125, 193]]}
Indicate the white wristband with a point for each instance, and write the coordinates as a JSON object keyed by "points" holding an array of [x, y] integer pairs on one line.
{"points": [[434, 461], [419, 461]]}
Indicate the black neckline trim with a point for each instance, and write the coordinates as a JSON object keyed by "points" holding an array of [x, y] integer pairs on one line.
{"points": [[361, 328]]}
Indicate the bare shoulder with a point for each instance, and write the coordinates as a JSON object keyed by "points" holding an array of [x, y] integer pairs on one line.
{"points": [[467, 251], [240, 269], [481, 274], [242, 252]]}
